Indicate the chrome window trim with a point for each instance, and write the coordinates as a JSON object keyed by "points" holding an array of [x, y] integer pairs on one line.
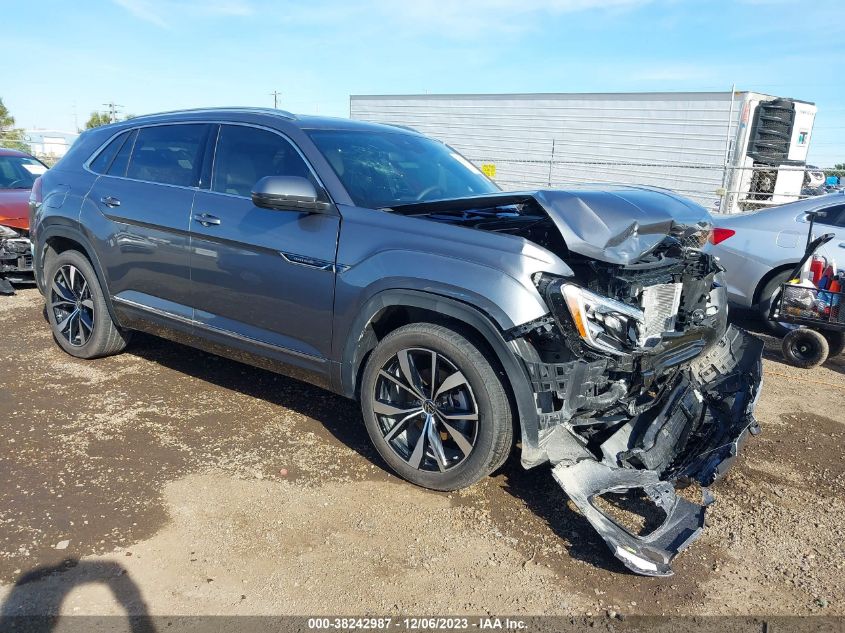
{"points": [[87, 164]]}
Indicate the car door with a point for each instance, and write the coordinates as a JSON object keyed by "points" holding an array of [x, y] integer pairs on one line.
{"points": [[146, 191], [262, 276]]}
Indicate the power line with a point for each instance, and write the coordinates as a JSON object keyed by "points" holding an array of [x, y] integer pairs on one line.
{"points": [[113, 109]]}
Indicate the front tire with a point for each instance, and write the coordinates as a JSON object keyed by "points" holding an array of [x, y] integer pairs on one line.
{"points": [[435, 408], [76, 308]]}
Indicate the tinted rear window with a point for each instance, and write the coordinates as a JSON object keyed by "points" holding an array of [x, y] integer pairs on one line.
{"points": [[169, 154], [104, 159]]}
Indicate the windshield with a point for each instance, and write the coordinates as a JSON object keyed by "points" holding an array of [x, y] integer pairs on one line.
{"points": [[384, 169], [19, 172]]}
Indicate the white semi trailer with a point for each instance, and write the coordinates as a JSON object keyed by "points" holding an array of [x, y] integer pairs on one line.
{"points": [[730, 151]]}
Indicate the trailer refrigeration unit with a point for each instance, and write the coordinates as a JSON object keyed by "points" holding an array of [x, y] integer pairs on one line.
{"points": [[730, 151]]}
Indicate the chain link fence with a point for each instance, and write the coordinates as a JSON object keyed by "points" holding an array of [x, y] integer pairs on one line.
{"points": [[729, 189], [48, 152]]}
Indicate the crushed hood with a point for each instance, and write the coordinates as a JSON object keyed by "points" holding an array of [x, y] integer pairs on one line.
{"points": [[621, 225], [617, 224]]}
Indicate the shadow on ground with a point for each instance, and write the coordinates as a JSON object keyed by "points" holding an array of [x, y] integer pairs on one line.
{"points": [[338, 415], [34, 608]]}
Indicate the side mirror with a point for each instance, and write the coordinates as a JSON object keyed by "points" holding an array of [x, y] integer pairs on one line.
{"points": [[288, 193]]}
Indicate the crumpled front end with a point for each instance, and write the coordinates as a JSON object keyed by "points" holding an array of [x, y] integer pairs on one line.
{"points": [[638, 382], [695, 434], [640, 386], [15, 258]]}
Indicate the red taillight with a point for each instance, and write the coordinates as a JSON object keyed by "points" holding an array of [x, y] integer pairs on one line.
{"points": [[35, 196], [720, 235]]}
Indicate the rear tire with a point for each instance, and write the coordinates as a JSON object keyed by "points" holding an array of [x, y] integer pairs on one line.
{"points": [[434, 407], [805, 348], [76, 308], [773, 286]]}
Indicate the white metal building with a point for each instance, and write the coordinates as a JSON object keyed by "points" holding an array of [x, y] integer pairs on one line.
{"points": [[681, 141], [51, 144]]}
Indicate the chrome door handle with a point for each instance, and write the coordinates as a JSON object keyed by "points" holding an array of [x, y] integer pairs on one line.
{"points": [[207, 220], [110, 201]]}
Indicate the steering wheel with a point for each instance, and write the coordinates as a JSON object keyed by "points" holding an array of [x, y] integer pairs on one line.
{"points": [[427, 191], [12, 184]]}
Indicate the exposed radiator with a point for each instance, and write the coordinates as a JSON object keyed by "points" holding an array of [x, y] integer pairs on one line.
{"points": [[660, 306]]}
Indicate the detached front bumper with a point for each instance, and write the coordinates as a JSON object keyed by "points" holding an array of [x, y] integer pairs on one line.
{"points": [[694, 434], [15, 263]]}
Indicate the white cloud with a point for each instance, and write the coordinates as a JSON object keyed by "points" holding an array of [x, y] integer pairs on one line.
{"points": [[160, 13], [143, 10], [495, 15], [454, 19]]}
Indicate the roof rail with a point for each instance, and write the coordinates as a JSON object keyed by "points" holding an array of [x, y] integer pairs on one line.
{"points": [[274, 111]]}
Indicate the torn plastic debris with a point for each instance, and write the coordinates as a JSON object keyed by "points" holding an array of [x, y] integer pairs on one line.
{"points": [[650, 554], [696, 436]]}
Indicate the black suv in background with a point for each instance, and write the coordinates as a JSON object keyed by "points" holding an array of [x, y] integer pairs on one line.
{"points": [[384, 266]]}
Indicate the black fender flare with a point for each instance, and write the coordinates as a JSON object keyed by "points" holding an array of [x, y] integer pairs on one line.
{"points": [[361, 339], [74, 234]]}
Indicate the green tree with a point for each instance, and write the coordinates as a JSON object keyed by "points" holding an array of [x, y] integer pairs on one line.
{"points": [[97, 119], [10, 136], [838, 170], [102, 118]]}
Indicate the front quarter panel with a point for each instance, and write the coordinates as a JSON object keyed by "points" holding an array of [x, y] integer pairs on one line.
{"points": [[491, 272]]}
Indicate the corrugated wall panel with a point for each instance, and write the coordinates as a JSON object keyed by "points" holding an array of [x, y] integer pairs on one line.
{"points": [[673, 140]]}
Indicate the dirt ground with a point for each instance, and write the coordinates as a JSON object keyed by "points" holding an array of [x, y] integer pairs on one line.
{"points": [[169, 481]]}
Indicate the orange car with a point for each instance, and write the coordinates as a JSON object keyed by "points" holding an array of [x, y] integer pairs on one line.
{"points": [[18, 172]]}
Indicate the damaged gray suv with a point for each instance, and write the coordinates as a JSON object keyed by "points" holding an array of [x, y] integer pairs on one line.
{"points": [[587, 327]]}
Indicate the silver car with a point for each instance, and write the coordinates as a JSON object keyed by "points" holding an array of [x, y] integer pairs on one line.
{"points": [[759, 249]]}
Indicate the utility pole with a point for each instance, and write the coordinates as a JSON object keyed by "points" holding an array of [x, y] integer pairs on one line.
{"points": [[112, 106], [276, 94]]}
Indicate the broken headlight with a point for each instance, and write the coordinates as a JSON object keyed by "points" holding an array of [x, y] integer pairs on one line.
{"points": [[602, 323]]}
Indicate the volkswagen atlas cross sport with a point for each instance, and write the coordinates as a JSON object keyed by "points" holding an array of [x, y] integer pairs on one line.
{"points": [[384, 266]]}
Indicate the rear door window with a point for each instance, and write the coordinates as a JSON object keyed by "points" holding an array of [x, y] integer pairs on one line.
{"points": [[168, 154]]}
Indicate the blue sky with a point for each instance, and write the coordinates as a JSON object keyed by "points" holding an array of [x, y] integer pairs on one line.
{"points": [[151, 55]]}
